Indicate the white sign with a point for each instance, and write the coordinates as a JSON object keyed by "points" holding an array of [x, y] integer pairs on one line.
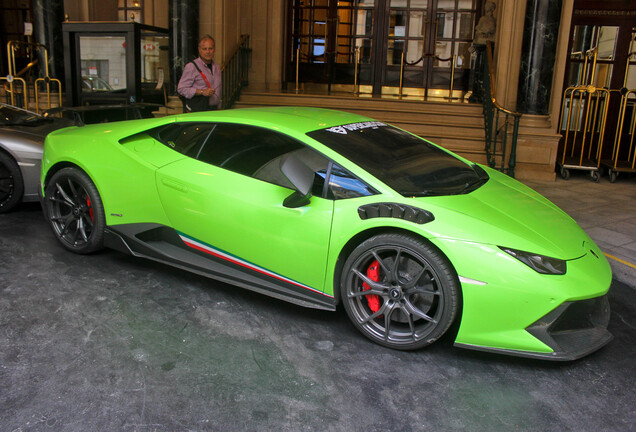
{"points": [[159, 79], [355, 126], [28, 28]]}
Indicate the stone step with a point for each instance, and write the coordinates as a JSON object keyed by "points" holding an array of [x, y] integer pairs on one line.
{"points": [[348, 103], [458, 127]]}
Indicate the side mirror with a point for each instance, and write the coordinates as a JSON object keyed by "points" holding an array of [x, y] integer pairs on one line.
{"points": [[301, 177]]}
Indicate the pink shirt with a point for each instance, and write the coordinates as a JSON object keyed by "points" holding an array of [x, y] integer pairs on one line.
{"points": [[191, 81]]}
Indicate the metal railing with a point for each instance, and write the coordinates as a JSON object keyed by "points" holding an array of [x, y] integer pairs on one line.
{"points": [[17, 89], [501, 143], [235, 71]]}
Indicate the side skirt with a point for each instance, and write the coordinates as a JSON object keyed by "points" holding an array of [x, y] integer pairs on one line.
{"points": [[164, 244]]}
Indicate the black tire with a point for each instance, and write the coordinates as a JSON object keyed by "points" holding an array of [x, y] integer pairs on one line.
{"points": [[75, 211], [418, 298], [11, 183], [595, 176]]}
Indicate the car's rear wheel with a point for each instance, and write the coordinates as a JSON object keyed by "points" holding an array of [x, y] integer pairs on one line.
{"points": [[399, 291], [75, 211], [11, 183]]}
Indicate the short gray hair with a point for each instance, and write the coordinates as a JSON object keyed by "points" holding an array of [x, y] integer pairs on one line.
{"points": [[207, 36]]}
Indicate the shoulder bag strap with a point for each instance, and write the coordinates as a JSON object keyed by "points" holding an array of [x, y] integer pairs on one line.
{"points": [[202, 75]]}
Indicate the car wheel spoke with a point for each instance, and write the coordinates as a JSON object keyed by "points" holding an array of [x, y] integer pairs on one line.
{"points": [[375, 315], [59, 201], [66, 198], [375, 287], [387, 321], [87, 219], [413, 282], [81, 229], [412, 310], [412, 327], [395, 271], [380, 261], [74, 193], [66, 224], [425, 289]]}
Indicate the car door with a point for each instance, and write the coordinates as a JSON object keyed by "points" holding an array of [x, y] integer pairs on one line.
{"points": [[226, 200]]}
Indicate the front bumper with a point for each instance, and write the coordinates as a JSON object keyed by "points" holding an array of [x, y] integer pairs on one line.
{"points": [[573, 330], [511, 309]]}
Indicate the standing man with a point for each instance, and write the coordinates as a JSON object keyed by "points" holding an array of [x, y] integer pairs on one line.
{"points": [[200, 84]]}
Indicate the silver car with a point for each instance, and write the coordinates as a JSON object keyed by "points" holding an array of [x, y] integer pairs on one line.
{"points": [[22, 136]]}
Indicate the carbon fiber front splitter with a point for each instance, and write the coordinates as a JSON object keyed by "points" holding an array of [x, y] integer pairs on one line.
{"points": [[573, 330]]}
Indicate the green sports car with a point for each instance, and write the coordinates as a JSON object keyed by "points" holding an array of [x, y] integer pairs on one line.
{"points": [[321, 207]]}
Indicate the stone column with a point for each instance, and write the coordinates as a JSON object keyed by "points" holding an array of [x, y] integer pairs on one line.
{"points": [[184, 35], [48, 16], [540, 34]]}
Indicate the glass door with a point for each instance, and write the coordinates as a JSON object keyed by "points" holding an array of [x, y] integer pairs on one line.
{"points": [[428, 44], [380, 44]]}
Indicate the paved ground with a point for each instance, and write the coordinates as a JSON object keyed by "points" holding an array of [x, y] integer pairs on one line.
{"points": [[109, 342]]}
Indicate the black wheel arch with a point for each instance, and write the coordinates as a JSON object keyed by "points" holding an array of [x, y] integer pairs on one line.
{"points": [[60, 166], [6, 151]]}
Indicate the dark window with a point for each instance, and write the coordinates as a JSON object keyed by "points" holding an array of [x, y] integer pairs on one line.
{"points": [[343, 184], [245, 149], [408, 164], [186, 138], [258, 153]]}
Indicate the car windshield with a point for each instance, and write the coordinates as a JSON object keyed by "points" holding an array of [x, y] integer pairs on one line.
{"points": [[95, 84], [408, 164], [11, 116]]}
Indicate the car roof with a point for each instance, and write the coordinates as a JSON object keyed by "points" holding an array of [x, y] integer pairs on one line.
{"points": [[291, 120], [299, 119]]}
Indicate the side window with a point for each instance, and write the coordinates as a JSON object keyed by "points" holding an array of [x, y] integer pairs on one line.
{"points": [[245, 149], [186, 138], [257, 152], [343, 185]]}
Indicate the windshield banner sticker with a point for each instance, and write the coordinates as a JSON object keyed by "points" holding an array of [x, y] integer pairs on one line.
{"points": [[355, 126]]}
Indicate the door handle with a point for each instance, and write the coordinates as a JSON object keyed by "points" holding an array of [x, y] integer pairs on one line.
{"points": [[174, 185]]}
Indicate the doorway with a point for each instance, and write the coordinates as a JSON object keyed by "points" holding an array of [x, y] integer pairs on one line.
{"points": [[380, 44]]}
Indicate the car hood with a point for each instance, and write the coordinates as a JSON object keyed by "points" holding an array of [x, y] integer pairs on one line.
{"points": [[507, 213]]}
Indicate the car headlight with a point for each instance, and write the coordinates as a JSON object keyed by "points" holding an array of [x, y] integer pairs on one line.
{"points": [[539, 263]]}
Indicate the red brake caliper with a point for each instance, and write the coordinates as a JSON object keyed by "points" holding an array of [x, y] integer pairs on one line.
{"points": [[373, 273], [90, 209]]}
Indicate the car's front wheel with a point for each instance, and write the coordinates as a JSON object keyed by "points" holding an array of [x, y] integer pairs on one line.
{"points": [[11, 183], [75, 211], [399, 291]]}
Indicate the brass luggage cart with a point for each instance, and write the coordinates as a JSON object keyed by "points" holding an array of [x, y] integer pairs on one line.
{"points": [[584, 115], [624, 161]]}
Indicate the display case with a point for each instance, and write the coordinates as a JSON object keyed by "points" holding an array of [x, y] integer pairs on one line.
{"points": [[115, 63]]}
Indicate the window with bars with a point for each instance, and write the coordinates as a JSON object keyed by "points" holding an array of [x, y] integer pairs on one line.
{"points": [[455, 28], [130, 10]]}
